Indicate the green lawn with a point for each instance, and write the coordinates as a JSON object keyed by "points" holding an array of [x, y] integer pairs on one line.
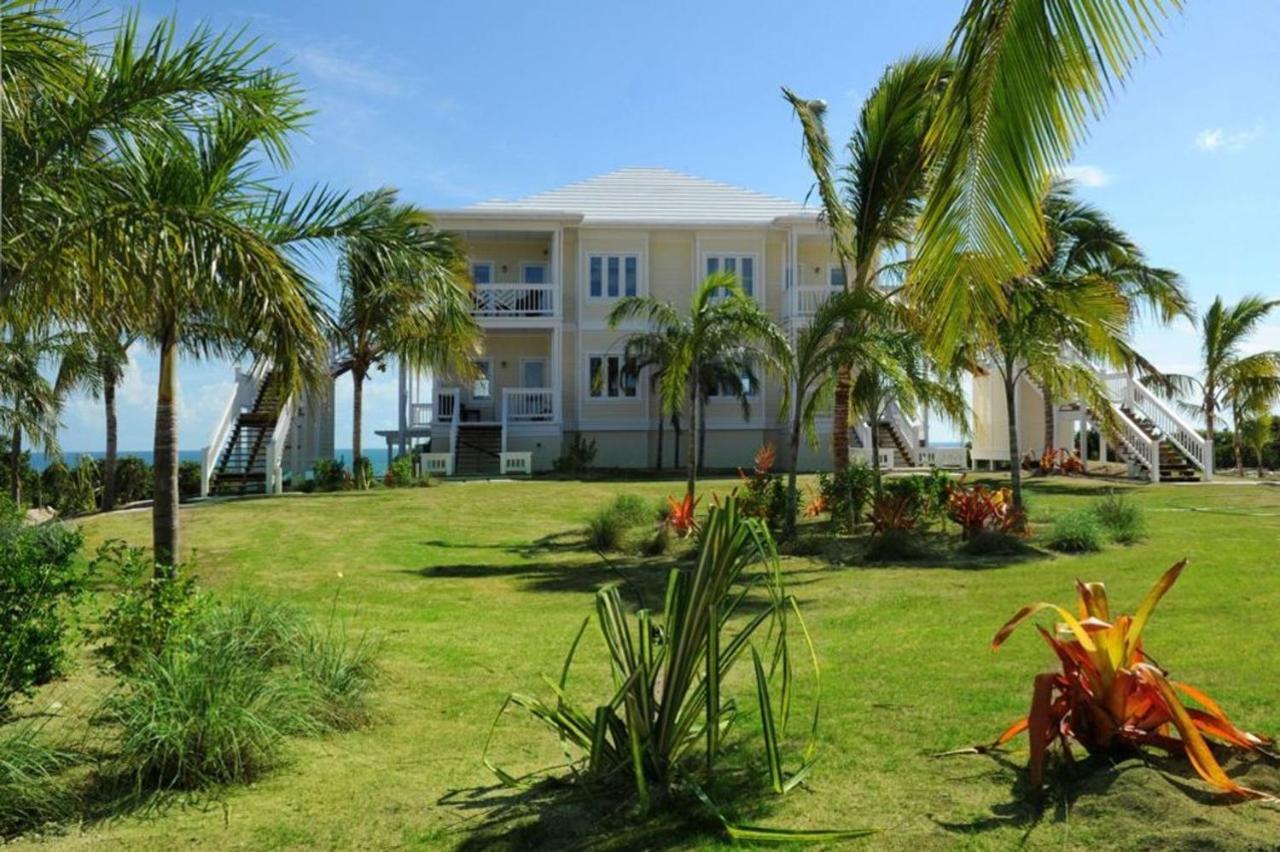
{"points": [[478, 588]]}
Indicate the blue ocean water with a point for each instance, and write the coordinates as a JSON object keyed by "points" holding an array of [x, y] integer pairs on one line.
{"points": [[40, 461]]}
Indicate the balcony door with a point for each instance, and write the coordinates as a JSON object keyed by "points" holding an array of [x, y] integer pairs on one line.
{"points": [[533, 373]]}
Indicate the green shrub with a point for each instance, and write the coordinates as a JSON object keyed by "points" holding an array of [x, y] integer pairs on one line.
{"points": [[896, 545], [846, 494], [71, 490], [994, 543], [189, 475], [805, 545], [577, 457], [331, 475], [400, 473], [659, 543], [195, 715], [928, 492], [609, 527], [135, 481], [146, 612], [215, 705], [362, 470], [40, 585], [1077, 531], [32, 791], [1122, 518]]}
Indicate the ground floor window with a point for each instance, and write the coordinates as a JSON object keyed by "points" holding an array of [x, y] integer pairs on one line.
{"points": [[609, 378]]}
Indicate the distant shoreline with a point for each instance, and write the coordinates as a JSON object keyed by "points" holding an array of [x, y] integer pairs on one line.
{"points": [[39, 461]]}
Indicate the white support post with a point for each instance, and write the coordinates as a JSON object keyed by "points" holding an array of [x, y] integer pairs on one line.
{"points": [[557, 273], [557, 372], [1208, 459]]}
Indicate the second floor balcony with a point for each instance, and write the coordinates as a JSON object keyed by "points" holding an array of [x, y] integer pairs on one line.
{"points": [[498, 300]]}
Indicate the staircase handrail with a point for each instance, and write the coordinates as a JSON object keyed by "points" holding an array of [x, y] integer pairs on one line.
{"points": [[1180, 433], [1141, 445], [908, 431], [275, 449], [244, 393]]}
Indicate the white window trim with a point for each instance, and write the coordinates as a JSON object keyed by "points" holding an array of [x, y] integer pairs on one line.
{"points": [[486, 359], [622, 362], [493, 270], [641, 288], [757, 282], [546, 363], [546, 270]]}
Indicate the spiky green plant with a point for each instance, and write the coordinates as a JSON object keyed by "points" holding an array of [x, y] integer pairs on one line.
{"points": [[661, 728]]}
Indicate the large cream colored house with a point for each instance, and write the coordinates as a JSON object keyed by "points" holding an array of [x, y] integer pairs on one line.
{"points": [[548, 268]]}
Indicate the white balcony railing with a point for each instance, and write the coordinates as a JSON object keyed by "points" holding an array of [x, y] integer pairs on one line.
{"points": [[528, 405], [514, 300], [419, 414], [804, 301]]}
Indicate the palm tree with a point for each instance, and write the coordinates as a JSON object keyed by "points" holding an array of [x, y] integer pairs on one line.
{"points": [[872, 206], [1255, 430], [905, 376], [413, 303], [1086, 294], [654, 351], [1028, 76], [1229, 377], [722, 320], [731, 373], [820, 350]]}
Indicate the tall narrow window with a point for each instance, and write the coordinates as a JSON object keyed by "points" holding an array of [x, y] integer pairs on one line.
{"points": [[482, 272], [743, 266], [611, 276], [609, 378], [835, 276]]}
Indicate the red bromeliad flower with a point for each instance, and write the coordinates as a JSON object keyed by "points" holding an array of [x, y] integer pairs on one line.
{"points": [[682, 518], [1110, 697], [979, 509], [817, 504]]}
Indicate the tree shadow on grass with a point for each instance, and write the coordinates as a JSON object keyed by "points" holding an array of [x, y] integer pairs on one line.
{"points": [[1144, 787], [921, 550]]}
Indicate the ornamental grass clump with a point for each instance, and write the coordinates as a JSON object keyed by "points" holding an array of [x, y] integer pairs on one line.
{"points": [[1077, 531], [659, 731], [1109, 697], [1121, 517], [33, 791]]}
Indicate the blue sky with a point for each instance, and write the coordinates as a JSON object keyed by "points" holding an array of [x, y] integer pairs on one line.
{"points": [[458, 102]]}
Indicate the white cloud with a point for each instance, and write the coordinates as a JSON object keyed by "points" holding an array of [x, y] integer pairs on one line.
{"points": [[333, 66], [1215, 139], [1092, 177]]}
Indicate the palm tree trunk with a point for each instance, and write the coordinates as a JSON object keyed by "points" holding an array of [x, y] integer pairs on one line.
{"points": [[693, 436], [1015, 453], [702, 433], [840, 419], [660, 431], [109, 463], [1049, 419], [15, 466], [357, 415], [675, 445], [164, 513], [793, 464], [875, 454]]}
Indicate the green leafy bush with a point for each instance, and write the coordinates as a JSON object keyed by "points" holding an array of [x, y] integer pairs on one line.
{"points": [[994, 543], [71, 490], [846, 494], [189, 475], [577, 457], [608, 528], [1122, 518], [32, 791], [40, 585], [762, 493], [135, 481], [330, 475], [400, 473], [146, 612], [1077, 531]]}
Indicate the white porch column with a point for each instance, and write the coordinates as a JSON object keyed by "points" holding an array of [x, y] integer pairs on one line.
{"points": [[557, 373], [557, 272]]}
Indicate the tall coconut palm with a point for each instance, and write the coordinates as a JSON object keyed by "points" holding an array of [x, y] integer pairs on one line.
{"points": [[104, 349], [821, 349], [730, 374], [1255, 430], [410, 301], [722, 319], [871, 203], [1086, 293], [654, 351], [1230, 375], [1028, 77]]}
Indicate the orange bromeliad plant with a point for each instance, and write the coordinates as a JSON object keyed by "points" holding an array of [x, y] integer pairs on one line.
{"points": [[817, 505], [1110, 697], [682, 518], [978, 509]]}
